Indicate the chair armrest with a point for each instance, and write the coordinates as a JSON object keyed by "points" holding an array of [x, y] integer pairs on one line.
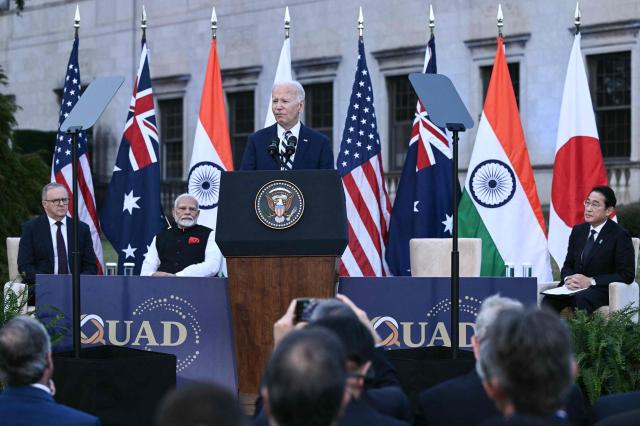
{"points": [[545, 286], [622, 295]]}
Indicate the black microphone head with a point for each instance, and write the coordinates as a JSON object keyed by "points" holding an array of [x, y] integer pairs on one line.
{"points": [[272, 149], [292, 141], [290, 147]]}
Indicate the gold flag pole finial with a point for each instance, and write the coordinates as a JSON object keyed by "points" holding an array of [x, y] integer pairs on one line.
{"points": [[76, 20], [577, 17], [432, 20], [287, 22], [360, 24], [500, 19], [214, 23], [143, 23]]}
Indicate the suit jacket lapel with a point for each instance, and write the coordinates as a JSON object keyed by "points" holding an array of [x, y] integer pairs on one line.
{"points": [[603, 235], [303, 144]]}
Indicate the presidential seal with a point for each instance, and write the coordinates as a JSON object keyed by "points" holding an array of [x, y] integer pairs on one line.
{"points": [[279, 204]]}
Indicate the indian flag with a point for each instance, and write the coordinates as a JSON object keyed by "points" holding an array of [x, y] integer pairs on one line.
{"points": [[500, 203]]}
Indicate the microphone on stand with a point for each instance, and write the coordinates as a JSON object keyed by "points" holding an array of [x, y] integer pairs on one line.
{"points": [[290, 147], [272, 149]]}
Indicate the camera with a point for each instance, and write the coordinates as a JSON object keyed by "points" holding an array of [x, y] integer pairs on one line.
{"points": [[304, 309]]}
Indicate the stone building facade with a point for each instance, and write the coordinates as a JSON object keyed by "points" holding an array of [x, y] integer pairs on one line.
{"points": [[35, 46]]}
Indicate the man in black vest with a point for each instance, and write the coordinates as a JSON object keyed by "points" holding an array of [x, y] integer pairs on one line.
{"points": [[186, 249]]}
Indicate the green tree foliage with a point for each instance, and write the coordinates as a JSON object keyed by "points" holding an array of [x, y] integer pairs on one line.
{"points": [[607, 351], [21, 179]]}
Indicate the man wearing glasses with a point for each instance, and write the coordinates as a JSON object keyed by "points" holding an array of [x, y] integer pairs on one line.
{"points": [[45, 243], [600, 252], [185, 249]]}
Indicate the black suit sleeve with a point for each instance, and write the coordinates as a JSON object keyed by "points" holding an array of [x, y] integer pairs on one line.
{"points": [[26, 254], [249, 157], [326, 155], [624, 255], [89, 264]]}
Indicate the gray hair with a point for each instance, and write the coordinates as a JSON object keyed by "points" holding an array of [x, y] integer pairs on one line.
{"points": [[489, 311], [528, 353], [330, 308], [300, 95], [181, 196], [50, 186], [24, 345]]}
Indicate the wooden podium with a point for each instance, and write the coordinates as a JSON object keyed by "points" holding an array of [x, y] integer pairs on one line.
{"points": [[270, 266]]}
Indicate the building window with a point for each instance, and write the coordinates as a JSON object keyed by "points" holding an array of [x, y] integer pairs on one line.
{"points": [[402, 109], [171, 137], [5, 5], [318, 108], [241, 122], [610, 85], [514, 73]]}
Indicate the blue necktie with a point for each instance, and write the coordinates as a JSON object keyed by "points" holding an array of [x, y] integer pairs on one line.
{"points": [[588, 245]]}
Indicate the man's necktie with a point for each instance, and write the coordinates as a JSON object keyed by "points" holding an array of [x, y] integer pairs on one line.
{"points": [[289, 164], [588, 245], [61, 249]]}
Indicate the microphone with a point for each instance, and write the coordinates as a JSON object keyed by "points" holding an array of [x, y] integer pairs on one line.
{"points": [[290, 147], [272, 149]]}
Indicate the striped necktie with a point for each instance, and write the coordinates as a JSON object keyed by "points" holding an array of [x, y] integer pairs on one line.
{"points": [[289, 164]]}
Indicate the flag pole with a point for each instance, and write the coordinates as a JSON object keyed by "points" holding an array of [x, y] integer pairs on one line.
{"points": [[214, 23], [287, 23], [577, 18], [75, 255]]}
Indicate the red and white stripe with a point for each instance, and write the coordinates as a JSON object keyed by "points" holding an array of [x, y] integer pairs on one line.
{"points": [[368, 213]]}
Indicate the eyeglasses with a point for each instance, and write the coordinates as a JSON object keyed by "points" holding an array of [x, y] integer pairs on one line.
{"points": [[59, 201], [592, 204]]}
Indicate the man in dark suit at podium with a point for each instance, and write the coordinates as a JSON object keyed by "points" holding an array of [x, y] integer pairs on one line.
{"points": [[26, 368], [267, 148], [600, 252], [45, 241]]}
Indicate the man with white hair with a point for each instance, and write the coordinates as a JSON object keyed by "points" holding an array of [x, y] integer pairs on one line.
{"points": [[288, 144], [186, 249]]}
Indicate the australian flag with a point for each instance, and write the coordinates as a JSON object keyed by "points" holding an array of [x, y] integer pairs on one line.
{"points": [[132, 213], [423, 207]]}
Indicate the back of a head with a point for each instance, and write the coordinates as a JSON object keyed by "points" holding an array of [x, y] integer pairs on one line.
{"points": [[354, 336], [305, 378], [24, 345], [200, 404], [331, 307], [528, 352], [491, 307]]}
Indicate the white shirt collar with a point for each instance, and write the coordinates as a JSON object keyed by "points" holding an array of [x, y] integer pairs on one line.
{"points": [[42, 387], [295, 130], [598, 228], [52, 222]]}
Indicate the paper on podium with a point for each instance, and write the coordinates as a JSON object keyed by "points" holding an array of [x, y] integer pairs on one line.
{"points": [[561, 291]]}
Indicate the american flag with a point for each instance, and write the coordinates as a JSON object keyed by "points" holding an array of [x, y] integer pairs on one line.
{"points": [[423, 206], [61, 167], [360, 164], [132, 214]]}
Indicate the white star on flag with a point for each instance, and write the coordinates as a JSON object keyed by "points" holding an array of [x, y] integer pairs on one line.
{"points": [[129, 251], [415, 206], [130, 202], [448, 223]]}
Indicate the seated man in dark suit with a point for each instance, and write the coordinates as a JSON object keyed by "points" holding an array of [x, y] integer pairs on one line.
{"points": [[26, 368], [266, 148], [527, 367], [615, 404], [600, 252], [46, 241]]}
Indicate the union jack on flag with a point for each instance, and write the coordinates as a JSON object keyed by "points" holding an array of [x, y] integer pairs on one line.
{"points": [[61, 167], [132, 214], [360, 164], [423, 206]]}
